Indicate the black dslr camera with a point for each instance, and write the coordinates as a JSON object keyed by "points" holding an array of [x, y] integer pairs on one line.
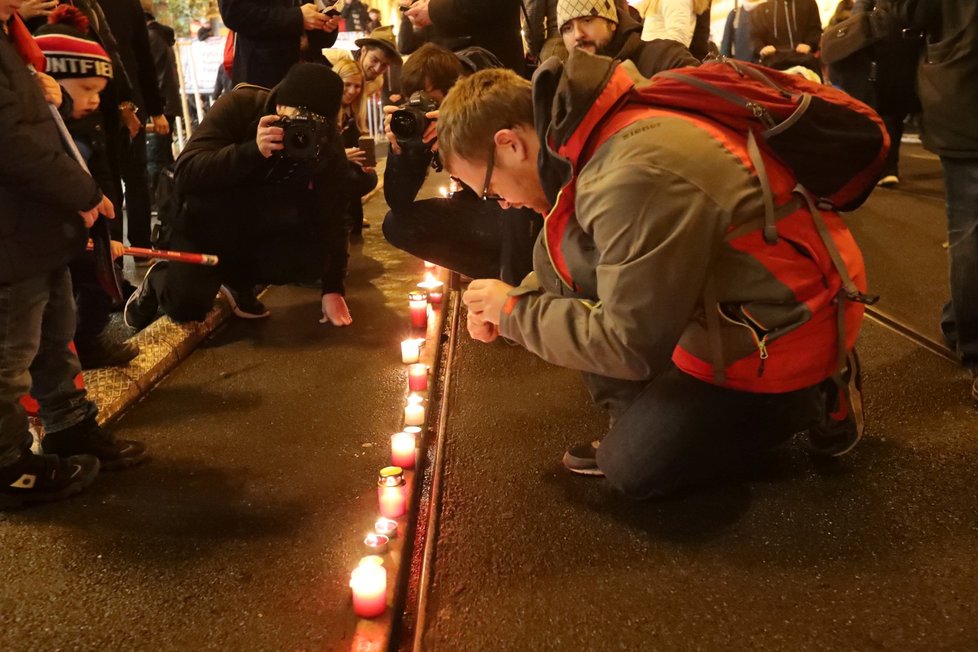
{"points": [[408, 123], [305, 134]]}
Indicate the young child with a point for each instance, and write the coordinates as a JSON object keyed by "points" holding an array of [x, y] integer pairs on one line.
{"points": [[83, 68]]}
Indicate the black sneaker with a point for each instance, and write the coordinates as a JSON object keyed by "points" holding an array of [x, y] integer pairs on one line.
{"points": [[143, 306], [87, 438], [582, 459], [245, 303], [844, 424], [45, 478], [103, 351]]}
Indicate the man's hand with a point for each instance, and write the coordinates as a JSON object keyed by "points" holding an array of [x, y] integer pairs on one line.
{"points": [[335, 311], [332, 23], [269, 138], [161, 125], [391, 138], [312, 18], [49, 88], [480, 330], [34, 8], [431, 132], [486, 298], [768, 50], [127, 113], [417, 13], [803, 48], [104, 207]]}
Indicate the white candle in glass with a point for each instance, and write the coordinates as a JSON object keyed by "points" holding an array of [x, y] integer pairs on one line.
{"points": [[414, 411]]}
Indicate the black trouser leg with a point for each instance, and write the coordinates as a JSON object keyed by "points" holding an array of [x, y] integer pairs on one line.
{"points": [[134, 174]]}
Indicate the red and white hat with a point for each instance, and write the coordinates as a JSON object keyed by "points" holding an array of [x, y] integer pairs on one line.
{"points": [[68, 49]]}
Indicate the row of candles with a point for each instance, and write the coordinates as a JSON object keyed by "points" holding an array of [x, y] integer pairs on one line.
{"points": [[369, 579]]}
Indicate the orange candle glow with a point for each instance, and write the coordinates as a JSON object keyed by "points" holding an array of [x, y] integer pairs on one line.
{"points": [[433, 287], [369, 584], [418, 377], [402, 449]]}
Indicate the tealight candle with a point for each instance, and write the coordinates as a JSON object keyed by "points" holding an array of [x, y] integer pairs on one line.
{"points": [[369, 584], [411, 351], [443, 191], [433, 287], [418, 302], [386, 526], [402, 449], [418, 377], [376, 544], [414, 411], [391, 495]]}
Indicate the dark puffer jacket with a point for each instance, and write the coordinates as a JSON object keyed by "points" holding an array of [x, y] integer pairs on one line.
{"points": [[41, 188], [284, 225]]}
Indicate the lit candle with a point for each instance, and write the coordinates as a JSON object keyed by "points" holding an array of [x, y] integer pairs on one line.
{"points": [[414, 411], [433, 287], [443, 191], [391, 495], [428, 265], [376, 544], [369, 584], [411, 350], [418, 302], [418, 377], [371, 560], [402, 449], [386, 526]]}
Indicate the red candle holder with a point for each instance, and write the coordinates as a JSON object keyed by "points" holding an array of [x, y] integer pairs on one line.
{"points": [[418, 303], [418, 377]]}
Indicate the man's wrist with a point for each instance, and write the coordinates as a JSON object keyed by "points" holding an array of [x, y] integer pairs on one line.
{"points": [[128, 105]]}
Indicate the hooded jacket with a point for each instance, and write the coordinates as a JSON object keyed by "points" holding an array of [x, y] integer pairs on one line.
{"points": [[41, 187], [649, 57], [785, 24], [162, 38], [284, 225], [644, 227]]}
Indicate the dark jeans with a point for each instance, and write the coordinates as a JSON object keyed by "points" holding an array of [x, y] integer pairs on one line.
{"points": [[960, 319], [135, 176], [37, 323], [360, 184], [159, 154], [679, 431], [467, 235], [93, 306], [894, 127]]}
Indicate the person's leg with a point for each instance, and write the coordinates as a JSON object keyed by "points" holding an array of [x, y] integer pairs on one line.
{"points": [[95, 346], [21, 310], [187, 292], [960, 319], [461, 234], [681, 432], [891, 169], [138, 217], [159, 154]]}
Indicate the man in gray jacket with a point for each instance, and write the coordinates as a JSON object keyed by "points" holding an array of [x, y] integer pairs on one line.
{"points": [[689, 335], [47, 204]]}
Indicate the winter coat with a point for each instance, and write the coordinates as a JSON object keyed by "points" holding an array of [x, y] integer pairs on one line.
{"points": [[129, 29], [161, 41], [638, 230], [251, 211], [946, 77], [491, 24], [541, 24], [736, 40], [649, 57], [267, 34], [41, 187], [785, 24]]}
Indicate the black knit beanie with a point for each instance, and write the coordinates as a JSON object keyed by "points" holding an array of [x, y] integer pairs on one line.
{"points": [[313, 86]]}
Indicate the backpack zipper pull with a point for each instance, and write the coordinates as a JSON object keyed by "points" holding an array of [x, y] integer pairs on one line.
{"points": [[762, 351], [761, 114]]}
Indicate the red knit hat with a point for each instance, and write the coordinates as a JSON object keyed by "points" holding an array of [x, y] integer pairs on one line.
{"points": [[68, 49]]}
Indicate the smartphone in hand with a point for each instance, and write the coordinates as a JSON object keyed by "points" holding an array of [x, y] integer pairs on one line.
{"points": [[369, 146], [332, 12]]}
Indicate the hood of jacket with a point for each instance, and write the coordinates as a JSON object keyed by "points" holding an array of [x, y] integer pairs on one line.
{"points": [[165, 32], [568, 98]]}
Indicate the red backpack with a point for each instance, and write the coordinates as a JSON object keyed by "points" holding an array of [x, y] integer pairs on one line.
{"points": [[834, 144]]}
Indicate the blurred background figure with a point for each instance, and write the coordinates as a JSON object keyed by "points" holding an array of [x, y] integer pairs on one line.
{"points": [[353, 124], [736, 41], [786, 33]]}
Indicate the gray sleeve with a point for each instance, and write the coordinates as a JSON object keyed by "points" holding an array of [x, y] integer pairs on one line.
{"points": [[656, 233]]}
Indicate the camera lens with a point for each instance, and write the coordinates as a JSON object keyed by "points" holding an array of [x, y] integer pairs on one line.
{"points": [[404, 125]]}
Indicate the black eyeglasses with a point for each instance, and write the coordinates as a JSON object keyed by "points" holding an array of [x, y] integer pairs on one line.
{"points": [[486, 195]]}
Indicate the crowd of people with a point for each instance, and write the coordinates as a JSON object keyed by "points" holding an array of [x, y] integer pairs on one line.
{"points": [[711, 303]]}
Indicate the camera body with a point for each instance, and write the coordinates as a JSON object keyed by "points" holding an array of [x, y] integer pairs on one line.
{"points": [[409, 123], [304, 135]]}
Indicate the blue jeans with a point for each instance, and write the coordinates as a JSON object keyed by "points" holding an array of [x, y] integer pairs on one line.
{"points": [[677, 431], [37, 324], [959, 322]]}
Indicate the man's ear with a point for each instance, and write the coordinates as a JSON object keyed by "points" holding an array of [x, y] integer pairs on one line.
{"points": [[513, 140]]}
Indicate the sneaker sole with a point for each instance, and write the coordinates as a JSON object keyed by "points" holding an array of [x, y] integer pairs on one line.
{"points": [[226, 293], [591, 473], [14, 502], [123, 462]]}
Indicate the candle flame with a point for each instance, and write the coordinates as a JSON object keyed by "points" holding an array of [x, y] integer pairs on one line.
{"points": [[414, 399]]}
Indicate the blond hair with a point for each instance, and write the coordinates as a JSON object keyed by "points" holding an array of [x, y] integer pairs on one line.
{"points": [[347, 68], [477, 107]]}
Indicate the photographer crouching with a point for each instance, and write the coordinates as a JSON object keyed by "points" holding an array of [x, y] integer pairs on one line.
{"points": [[260, 184], [489, 241]]}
